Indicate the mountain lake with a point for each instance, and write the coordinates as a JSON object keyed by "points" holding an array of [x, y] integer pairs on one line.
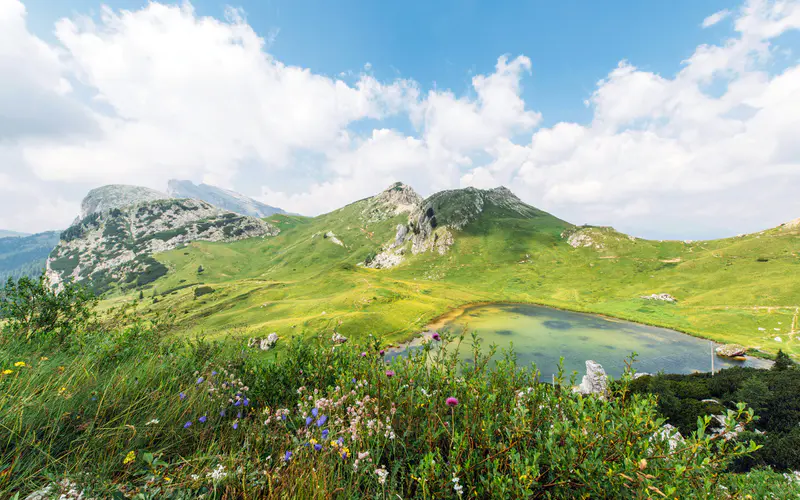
{"points": [[542, 335]]}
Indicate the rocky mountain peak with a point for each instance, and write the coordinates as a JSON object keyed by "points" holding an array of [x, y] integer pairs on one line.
{"points": [[223, 198], [113, 196], [396, 199]]}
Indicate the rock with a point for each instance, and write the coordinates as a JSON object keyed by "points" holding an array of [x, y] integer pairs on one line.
{"points": [[595, 381], [338, 338], [660, 296], [63, 490], [642, 374], [719, 428], [332, 237], [263, 344], [778, 339], [730, 350], [672, 434]]}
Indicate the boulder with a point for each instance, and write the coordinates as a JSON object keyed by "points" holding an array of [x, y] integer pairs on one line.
{"points": [[595, 381], [338, 338], [265, 344], [660, 296], [730, 350]]}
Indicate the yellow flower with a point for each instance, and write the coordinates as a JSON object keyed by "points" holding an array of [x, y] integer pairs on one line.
{"points": [[62, 390], [19, 364], [44, 358], [312, 441], [130, 457], [167, 479], [8, 372]]}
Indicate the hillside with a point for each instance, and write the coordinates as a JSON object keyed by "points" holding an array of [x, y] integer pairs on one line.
{"points": [[5, 233], [113, 248], [474, 246], [25, 255], [222, 198]]}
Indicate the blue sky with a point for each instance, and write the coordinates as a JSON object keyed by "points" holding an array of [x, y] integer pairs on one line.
{"points": [[664, 119]]}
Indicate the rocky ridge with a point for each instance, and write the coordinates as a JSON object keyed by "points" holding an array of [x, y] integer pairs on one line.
{"points": [[222, 198], [116, 245], [113, 196], [433, 222]]}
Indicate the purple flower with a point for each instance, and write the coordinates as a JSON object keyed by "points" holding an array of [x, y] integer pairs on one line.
{"points": [[436, 336], [246, 402], [182, 396], [383, 352], [236, 425], [283, 417], [324, 433], [363, 354], [315, 412], [353, 381], [390, 373], [287, 456], [187, 424], [238, 403], [202, 419], [308, 421], [213, 373], [318, 447], [200, 380], [222, 413], [239, 415], [341, 441], [451, 402], [322, 421]]}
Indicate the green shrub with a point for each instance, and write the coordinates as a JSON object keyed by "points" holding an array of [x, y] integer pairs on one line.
{"points": [[203, 290]]}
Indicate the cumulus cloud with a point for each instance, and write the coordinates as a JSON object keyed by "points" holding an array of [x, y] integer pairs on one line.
{"points": [[146, 95]]}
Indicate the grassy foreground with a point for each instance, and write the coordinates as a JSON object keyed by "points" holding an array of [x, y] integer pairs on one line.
{"points": [[741, 289], [124, 413]]}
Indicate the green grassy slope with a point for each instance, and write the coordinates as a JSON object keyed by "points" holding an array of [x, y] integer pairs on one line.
{"points": [[301, 281]]}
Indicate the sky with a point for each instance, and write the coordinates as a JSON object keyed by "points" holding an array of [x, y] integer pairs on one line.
{"points": [[663, 119]]}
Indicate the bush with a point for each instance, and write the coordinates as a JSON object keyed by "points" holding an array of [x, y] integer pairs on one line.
{"points": [[34, 312], [203, 290]]}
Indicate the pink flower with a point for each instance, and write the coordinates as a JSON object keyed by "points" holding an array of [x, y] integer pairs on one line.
{"points": [[390, 374], [451, 402], [436, 336]]}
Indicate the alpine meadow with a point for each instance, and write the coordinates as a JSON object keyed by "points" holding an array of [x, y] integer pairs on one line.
{"points": [[322, 250]]}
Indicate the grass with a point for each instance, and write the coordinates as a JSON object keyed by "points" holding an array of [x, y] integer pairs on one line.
{"points": [[130, 414], [300, 283]]}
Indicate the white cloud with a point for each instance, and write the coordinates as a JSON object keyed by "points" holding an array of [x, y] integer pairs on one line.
{"points": [[715, 18], [707, 151]]}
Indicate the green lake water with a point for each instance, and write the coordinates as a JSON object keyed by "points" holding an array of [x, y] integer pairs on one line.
{"points": [[542, 335]]}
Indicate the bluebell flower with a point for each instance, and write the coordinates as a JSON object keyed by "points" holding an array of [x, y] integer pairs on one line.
{"points": [[200, 380], [202, 419], [239, 415], [283, 417], [236, 425], [222, 413], [315, 412], [238, 403], [308, 421], [246, 402], [318, 447], [187, 424], [213, 373], [324, 433], [287, 456], [182, 396], [322, 421], [341, 441], [354, 381]]}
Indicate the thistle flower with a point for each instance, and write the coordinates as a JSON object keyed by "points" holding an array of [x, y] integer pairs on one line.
{"points": [[390, 373], [436, 336], [383, 352], [202, 419], [187, 424], [451, 402], [363, 354]]}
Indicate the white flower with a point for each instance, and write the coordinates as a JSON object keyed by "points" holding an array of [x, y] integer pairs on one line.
{"points": [[217, 474], [152, 422], [382, 474]]}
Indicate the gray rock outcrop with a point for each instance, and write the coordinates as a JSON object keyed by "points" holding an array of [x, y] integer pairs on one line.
{"points": [[730, 350], [595, 381]]}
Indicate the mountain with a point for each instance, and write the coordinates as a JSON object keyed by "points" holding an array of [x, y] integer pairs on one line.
{"points": [[113, 245], [25, 255], [222, 198], [4, 233], [117, 196]]}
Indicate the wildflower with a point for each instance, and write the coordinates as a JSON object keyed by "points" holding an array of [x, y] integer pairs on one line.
{"points": [[324, 433], [44, 358], [315, 412], [151, 422], [236, 425], [7, 372], [202, 419], [19, 364], [318, 447], [238, 414], [451, 402], [436, 336], [322, 421], [182, 396], [353, 381], [213, 373], [218, 473], [187, 424], [287, 456], [200, 380], [308, 421], [363, 354], [390, 373], [246, 402], [382, 474], [222, 413], [345, 453], [457, 487], [130, 457]]}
